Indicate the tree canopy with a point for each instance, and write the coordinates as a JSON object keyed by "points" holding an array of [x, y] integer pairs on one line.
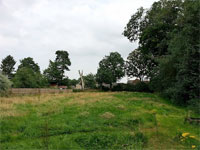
{"points": [[137, 65], [5, 83], [111, 69], [56, 70], [29, 63], [7, 66], [168, 35]]}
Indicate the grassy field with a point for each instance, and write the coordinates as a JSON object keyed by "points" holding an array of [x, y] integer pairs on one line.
{"points": [[94, 120]]}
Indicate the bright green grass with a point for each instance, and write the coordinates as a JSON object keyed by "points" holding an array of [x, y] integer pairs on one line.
{"points": [[95, 120]]}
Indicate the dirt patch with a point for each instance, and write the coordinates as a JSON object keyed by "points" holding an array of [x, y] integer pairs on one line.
{"points": [[84, 113], [121, 107], [107, 115]]}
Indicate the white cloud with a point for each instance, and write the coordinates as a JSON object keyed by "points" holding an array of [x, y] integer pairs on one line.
{"points": [[87, 29]]}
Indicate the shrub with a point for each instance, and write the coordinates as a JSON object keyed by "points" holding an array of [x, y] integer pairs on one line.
{"points": [[194, 104], [104, 88], [130, 87], [142, 87], [119, 87], [5, 84]]}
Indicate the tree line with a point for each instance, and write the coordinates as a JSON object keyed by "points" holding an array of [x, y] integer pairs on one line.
{"points": [[167, 55]]}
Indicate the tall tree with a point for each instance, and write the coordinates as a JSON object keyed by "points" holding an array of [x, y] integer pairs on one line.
{"points": [[168, 33], [26, 78], [63, 61], [53, 73], [7, 66], [137, 65], [56, 70], [28, 75], [111, 69], [29, 63], [90, 80]]}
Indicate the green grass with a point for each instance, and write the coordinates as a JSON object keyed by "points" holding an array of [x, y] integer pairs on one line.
{"points": [[94, 120]]}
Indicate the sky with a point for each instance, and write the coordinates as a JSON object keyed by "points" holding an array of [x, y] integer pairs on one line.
{"points": [[87, 29]]}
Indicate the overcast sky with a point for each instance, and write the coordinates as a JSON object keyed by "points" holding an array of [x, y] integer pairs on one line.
{"points": [[87, 29]]}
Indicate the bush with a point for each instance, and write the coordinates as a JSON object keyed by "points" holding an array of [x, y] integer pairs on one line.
{"points": [[194, 104], [104, 88], [130, 87], [5, 83], [139, 87], [142, 87], [119, 87]]}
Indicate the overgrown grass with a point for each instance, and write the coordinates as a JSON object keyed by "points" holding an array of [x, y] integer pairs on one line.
{"points": [[94, 120]]}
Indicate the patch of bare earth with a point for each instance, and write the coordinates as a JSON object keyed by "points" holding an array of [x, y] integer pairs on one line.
{"points": [[121, 107], [107, 115]]}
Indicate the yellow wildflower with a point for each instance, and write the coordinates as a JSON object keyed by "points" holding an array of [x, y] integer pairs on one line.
{"points": [[185, 134], [192, 136], [193, 146]]}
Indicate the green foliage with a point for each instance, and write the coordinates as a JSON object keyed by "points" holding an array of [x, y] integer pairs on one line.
{"points": [[73, 82], [137, 65], [168, 35], [29, 63], [5, 83], [28, 75], [56, 70], [194, 104], [52, 73], [63, 61], [111, 69], [27, 78], [139, 87], [7, 66], [119, 87], [90, 81]]}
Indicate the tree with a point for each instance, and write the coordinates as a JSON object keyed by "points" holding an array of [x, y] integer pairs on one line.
{"points": [[29, 63], [90, 81], [56, 70], [152, 27], [168, 33], [111, 69], [137, 65], [28, 75], [73, 82], [26, 78], [52, 73], [7, 66], [5, 83], [184, 46], [63, 61]]}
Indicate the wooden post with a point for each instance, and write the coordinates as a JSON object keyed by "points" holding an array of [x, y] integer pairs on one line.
{"points": [[82, 81]]}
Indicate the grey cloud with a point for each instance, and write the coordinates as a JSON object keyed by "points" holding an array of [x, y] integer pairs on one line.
{"points": [[88, 30]]}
